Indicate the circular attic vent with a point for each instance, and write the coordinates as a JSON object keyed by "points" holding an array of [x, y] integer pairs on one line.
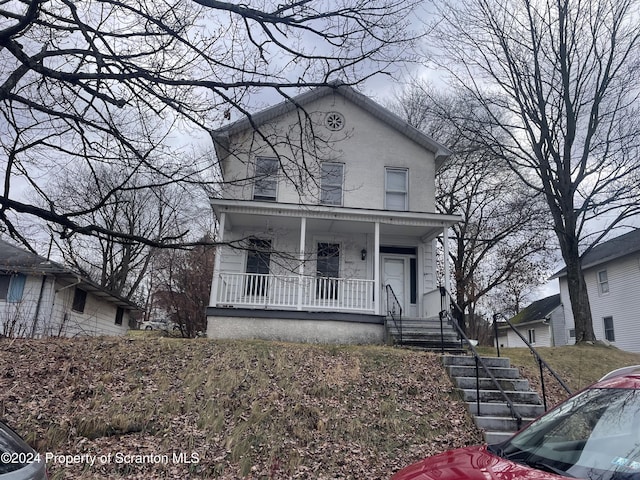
{"points": [[334, 121]]}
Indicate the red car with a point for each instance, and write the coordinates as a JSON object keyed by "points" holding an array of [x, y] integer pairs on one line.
{"points": [[593, 435]]}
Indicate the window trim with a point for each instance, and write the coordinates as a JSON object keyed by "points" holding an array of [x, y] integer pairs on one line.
{"points": [[119, 315], [15, 285], [603, 285], [265, 178], [79, 298], [324, 186], [611, 329], [531, 333], [387, 191]]}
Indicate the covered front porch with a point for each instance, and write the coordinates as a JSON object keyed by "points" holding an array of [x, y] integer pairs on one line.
{"points": [[374, 248]]}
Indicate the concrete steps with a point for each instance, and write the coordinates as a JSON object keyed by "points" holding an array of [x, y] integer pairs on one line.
{"points": [[494, 416], [425, 333]]}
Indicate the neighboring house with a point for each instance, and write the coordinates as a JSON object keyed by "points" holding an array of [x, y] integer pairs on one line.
{"points": [[612, 274], [40, 298], [312, 252], [541, 324]]}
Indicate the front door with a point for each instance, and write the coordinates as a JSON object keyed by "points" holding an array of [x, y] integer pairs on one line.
{"points": [[396, 272]]}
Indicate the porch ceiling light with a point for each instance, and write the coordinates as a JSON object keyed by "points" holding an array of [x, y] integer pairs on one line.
{"points": [[363, 254]]}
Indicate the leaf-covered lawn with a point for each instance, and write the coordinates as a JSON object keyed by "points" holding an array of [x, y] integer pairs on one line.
{"points": [[146, 407]]}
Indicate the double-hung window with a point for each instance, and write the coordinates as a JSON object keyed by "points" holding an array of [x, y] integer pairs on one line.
{"points": [[331, 183], [265, 183], [396, 189], [609, 334], [603, 282]]}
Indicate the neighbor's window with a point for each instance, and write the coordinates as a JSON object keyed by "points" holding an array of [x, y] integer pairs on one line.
{"points": [[603, 282], [396, 189], [609, 334], [12, 287], [119, 315], [79, 300], [266, 179], [532, 336], [572, 333], [331, 183], [258, 260], [328, 270]]}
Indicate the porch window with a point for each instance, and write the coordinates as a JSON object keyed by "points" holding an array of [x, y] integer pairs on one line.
{"points": [[258, 260], [603, 282], [609, 334], [331, 183], [266, 179], [328, 270], [396, 189]]}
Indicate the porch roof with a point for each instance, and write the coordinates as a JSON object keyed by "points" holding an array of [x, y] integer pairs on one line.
{"points": [[250, 213]]}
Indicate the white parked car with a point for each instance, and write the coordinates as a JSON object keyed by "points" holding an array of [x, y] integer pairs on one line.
{"points": [[159, 325]]}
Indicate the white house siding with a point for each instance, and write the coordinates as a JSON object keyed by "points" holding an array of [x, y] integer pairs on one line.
{"points": [[559, 333], [543, 336], [369, 146], [20, 316], [98, 317], [622, 302]]}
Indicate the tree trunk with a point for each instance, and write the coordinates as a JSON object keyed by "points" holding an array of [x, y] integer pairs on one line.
{"points": [[579, 302]]}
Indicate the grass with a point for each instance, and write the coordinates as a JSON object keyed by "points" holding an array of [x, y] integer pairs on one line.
{"points": [[577, 365]]}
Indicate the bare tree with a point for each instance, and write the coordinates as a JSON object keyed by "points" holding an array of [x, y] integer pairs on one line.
{"points": [[182, 290], [129, 83], [119, 266], [558, 81], [502, 227]]}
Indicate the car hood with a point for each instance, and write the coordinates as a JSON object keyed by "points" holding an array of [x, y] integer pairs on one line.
{"points": [[471, 463]]}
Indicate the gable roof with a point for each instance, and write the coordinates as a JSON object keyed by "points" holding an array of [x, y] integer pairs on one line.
{"points": [[610, 250], [221, 135], [538, 310], [14, 259]]}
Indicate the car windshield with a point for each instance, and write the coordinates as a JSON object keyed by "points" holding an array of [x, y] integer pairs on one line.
{"points": [[595, 435]]}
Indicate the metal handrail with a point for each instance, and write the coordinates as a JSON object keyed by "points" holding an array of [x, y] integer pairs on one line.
{"points": [[391, 309], [540, 360], [446, 312]]}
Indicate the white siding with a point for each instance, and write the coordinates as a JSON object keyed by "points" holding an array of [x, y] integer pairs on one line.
{"points": [[366, 146], [55, 317], [543, 336], [622, 302]]}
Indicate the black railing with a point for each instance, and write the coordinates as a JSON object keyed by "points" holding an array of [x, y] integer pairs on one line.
{"points": [[447, 303], [394, 310], [541, 363]]}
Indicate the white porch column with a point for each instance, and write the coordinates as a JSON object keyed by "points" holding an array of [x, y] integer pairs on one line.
{"points": [[303, 239], [213, 297], [376, 269], [445, 245]]}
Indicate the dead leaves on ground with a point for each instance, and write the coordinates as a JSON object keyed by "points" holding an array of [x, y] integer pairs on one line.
{"points": [[170, 408]]}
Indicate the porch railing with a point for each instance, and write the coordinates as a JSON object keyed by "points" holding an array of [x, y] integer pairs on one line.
{"points": [[295, 291]]}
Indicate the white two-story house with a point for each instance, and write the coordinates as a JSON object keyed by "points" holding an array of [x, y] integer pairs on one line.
{"points": [[612, 275], [327, 211]]}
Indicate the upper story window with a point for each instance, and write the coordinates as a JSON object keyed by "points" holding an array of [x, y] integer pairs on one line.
{"points": [[12, 287], [266, 179], [603, 282], [331, 183], [396, 184]]}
